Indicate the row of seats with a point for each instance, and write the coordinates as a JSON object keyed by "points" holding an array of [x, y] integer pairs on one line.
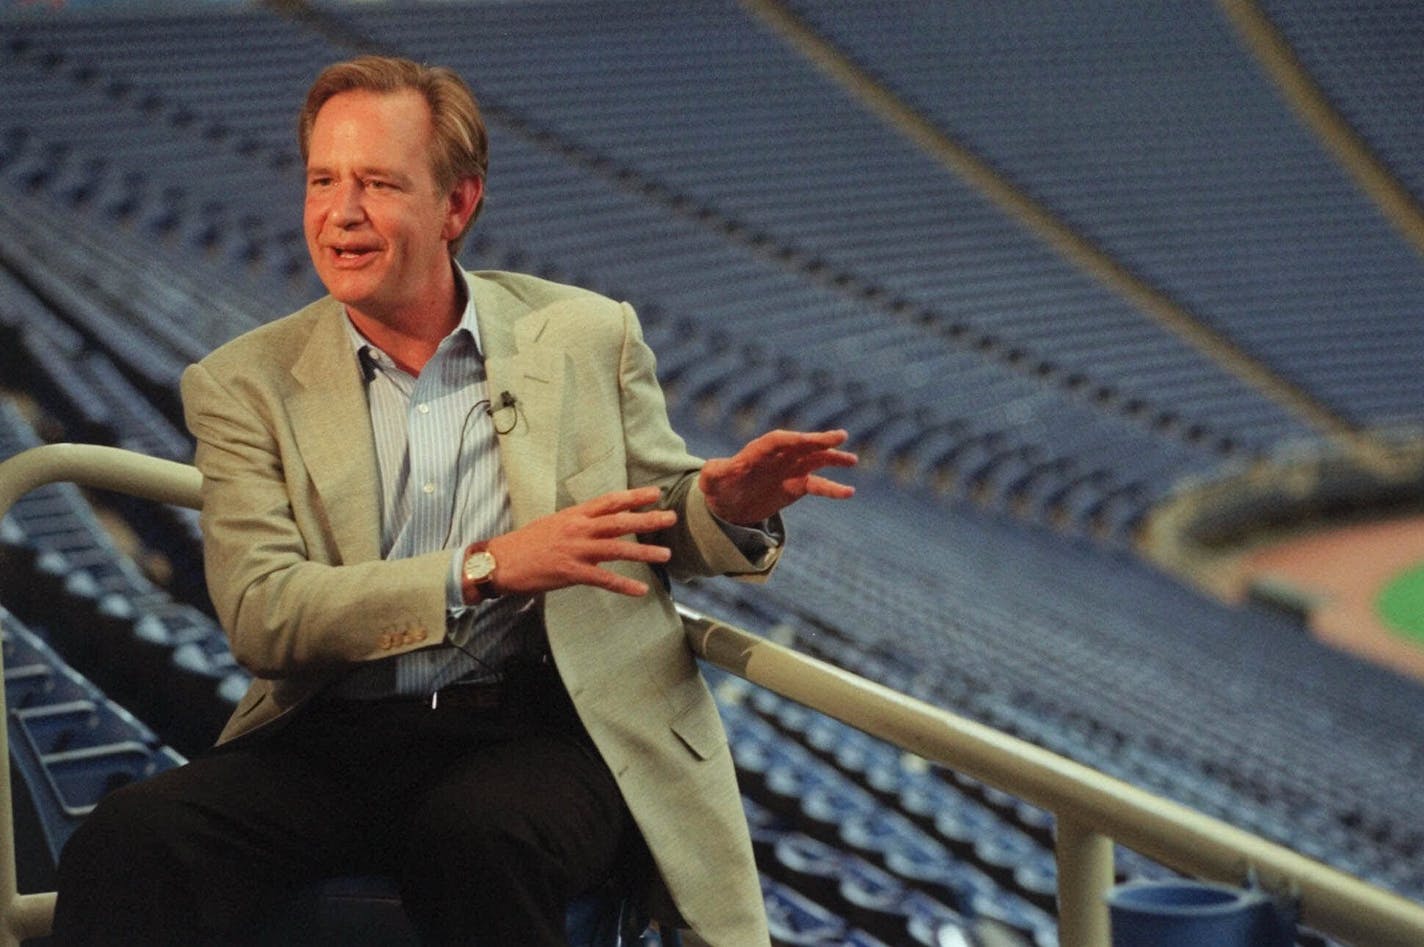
{"points": [[994, 875], [87, 396], [1109, 664], [89, 47], [134, 156], [1365, 57], [1156, 133]]}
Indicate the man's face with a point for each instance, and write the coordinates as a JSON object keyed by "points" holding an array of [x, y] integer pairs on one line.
{"points": [[376, 225]]}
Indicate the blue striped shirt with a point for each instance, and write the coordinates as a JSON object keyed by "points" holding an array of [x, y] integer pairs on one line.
{"points": [[442, 487]]}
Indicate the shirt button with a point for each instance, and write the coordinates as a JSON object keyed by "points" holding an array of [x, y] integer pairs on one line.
{"points": [[429, 488], [423, 408]]}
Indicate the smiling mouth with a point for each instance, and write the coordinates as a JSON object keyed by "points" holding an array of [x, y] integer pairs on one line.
{"points": [[350, 255]]}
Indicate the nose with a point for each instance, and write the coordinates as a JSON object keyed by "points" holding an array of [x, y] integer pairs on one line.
{"points": [[346, 207]]}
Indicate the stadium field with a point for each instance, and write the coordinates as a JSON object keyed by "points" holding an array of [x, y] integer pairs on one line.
{"points": [[1365, 583]]}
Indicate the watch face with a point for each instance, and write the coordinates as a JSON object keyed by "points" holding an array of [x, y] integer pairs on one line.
{"points": [[479, 566]]}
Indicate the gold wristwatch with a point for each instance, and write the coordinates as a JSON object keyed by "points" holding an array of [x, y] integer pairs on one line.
{"points": [[478, 571]]}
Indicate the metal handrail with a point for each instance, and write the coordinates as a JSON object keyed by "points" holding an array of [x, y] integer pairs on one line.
{"points": [[1091, 810]]}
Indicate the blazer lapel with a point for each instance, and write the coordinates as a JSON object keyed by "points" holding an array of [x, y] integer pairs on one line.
{"points": [[533, 373], [332, 425]]}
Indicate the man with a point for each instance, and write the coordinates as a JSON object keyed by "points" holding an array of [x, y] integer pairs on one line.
{"points": [[440, 510]]}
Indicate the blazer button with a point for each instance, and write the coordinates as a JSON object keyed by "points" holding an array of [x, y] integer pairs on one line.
{"points": [[385, 641], [418, 634]]}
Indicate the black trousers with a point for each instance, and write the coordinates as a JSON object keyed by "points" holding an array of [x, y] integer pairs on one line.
{"points": [[491, 818]]}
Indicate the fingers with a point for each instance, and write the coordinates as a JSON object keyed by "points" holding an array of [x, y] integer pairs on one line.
{"points": [[830, 489], [624, 513], [585, 565], [802, 450], [622, 585], [822, 459], [629, 551], [837, 458], [596, 577], [571, 546], [622, 500], [623, 524], [782, 438]]}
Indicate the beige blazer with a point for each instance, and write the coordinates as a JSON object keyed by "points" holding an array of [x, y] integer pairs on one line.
{"points": [[291, 528]]}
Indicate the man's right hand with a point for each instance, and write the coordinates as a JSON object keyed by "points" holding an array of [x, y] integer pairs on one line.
{"points": [[568, 547]]}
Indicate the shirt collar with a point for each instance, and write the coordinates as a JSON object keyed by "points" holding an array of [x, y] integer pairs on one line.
{"points": [[371, 358]]}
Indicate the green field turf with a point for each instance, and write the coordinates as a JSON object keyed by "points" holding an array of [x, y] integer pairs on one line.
{"points": [[1401, 604]]}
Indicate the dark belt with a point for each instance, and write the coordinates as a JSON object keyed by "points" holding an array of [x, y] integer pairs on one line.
{"points": [[529, 678], [471, 695], [528, 694], [531, 685]]}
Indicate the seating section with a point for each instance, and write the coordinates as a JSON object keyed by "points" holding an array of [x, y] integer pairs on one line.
{"points": [[1052, 437], [795, 262], [1153, 131], [1364, 57], [827, 835], [92, 123]]}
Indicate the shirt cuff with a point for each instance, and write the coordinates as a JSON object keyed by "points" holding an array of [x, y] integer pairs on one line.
{"points": [[754, 542], [454, 588]]}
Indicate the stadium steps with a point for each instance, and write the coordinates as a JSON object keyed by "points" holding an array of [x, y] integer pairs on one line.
{"points": [[69, 746]]}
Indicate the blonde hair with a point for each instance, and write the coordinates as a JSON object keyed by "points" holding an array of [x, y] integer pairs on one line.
{"points": [[460, 147]]}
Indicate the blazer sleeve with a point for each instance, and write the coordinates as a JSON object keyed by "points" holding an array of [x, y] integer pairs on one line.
{"points": [[656, 454], [290, 606]]}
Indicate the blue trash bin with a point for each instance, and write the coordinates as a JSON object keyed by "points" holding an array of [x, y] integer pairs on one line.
{"points": [[1196, 914]]}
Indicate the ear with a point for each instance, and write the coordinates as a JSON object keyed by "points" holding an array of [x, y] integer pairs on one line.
{"points": [[464, 197]]}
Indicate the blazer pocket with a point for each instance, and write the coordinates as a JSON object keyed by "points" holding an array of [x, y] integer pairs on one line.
{"points": [[700, 729], [603, 475]]}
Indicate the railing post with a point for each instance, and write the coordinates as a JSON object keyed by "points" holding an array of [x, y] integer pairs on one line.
{"points": [[1085, 873], [9, 880]]}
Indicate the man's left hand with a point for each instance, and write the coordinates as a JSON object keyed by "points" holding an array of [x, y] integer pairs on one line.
{"points": [[773, 471]]}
